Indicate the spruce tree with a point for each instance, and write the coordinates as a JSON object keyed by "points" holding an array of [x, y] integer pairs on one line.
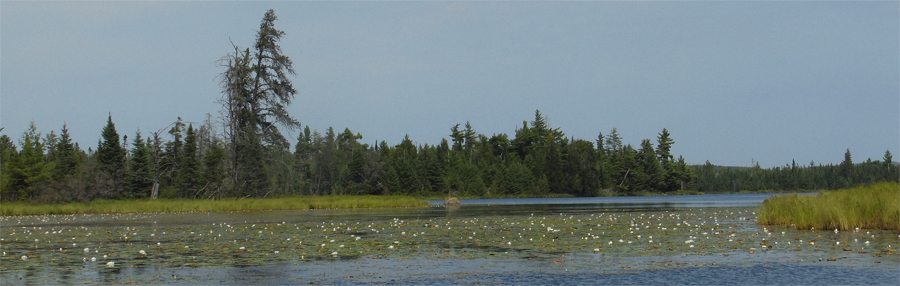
{"points": [[653, 176], [214, 170], [111, 159], [7, 153], [27, 169], [187, 181], [847, 168], [139, 181], [67, 158]]}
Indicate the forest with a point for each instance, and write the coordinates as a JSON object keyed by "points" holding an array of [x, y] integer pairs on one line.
{"points": [[242, 153]]}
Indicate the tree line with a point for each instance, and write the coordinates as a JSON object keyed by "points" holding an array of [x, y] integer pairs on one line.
{"points": [[793, 176], [189, 162]]}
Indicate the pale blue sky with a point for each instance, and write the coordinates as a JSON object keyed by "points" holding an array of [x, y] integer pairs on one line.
{"points": [[732, 81]]}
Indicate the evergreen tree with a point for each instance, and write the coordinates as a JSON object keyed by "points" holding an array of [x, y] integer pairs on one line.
{"points": [[653, 176], [213, 174], [186, 182], [67, 157], [7, 153], [111, 159], [847, 169], [139, 181], [457, 137], [251, 173], [613, 142], [670, 176], [470, 136], [28, 170], [257, 92]]}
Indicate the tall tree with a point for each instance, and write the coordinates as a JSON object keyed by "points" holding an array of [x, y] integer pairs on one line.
{"points": [[28, 170], [257, 92], [187, 180], [111, 158], [847, 168], [67, 157], [7, 153], [653, 174], [139, 181], [670, 176]]}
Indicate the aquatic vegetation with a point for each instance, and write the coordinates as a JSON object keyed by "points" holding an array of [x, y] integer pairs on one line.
{"points": [[179, 205], [624, 240], [875, 206]]}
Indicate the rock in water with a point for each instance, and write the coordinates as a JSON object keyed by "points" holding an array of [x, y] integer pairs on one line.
{"points": [[452, 202]]}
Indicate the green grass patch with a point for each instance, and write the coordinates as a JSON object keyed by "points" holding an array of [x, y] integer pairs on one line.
{"points": [[493, 196], [875, 206], [176, 205]]}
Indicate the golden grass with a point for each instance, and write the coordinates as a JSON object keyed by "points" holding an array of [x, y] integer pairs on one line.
{"points": [[176, 205], [875, 206]]}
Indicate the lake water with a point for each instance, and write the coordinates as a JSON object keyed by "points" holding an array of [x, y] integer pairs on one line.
{"points": [[706, 239]]}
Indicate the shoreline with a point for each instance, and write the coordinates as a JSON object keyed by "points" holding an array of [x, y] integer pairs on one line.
{"points": [[202, 205]]}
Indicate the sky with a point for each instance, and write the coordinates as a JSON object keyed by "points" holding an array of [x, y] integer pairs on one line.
{"points": [[735, 83]]}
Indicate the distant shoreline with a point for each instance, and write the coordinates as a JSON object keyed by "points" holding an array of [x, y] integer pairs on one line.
{"points": [[189, 205]]}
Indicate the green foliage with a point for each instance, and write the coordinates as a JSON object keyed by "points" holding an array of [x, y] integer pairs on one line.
{"points": [[111, 159], [140, 170], [187, 181], [110, 153], [27, 169], [67, 157], [710, 178]]}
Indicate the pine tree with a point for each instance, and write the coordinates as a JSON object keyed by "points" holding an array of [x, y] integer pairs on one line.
{"points": [[28, 170], [139, 181], [7, 153], [670, 177], [67, 157], [847, 169], [457, 137], [257, 92], [213, 170], [187, 181], [653, 176], [111, 159]]}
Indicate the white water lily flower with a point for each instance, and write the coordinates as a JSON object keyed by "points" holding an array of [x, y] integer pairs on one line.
{"points": [[110, 264], [24, 257]]}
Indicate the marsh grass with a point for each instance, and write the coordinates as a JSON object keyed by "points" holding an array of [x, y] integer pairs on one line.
{"points": [[875, 206], [183, 205]]}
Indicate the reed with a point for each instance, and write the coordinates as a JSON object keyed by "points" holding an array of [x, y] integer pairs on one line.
{"points": [[875, 206], [182, 205]]}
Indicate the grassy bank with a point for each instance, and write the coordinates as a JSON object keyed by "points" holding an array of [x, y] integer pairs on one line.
{"points": [[491, 196], [174, 205], [875, 206]]}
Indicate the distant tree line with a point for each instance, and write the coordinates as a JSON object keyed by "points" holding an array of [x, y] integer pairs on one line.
{"points": [[792, 177], [196, 163]]}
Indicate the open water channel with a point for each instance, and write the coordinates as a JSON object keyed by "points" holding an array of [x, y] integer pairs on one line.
{"points": [[706, 239]]}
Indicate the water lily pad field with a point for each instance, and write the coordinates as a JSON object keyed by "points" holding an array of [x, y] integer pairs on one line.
{"points": [[432, 245]]}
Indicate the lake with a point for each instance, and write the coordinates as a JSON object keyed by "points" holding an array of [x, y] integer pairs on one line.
{"points": [[705, 239]]}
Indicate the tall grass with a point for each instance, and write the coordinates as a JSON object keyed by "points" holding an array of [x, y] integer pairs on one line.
{"points": [[875, 206], [175, 205]]}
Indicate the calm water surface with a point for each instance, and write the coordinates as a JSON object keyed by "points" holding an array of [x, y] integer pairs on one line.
{"points": [[706, 239]]}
